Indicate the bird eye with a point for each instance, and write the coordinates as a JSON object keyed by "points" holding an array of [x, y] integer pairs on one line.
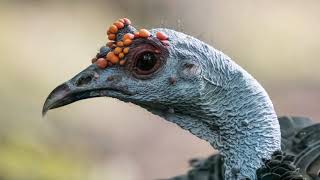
{"points": [[146, 57], [146, 61]]}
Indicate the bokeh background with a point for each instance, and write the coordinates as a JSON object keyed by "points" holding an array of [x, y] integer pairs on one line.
{"points": [[44, 43]]}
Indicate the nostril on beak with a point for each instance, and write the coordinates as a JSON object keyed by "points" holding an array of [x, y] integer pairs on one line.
{"points": [[84, 80]]}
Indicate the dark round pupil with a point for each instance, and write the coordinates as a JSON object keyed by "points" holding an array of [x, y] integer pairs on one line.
{"points": [[146, 61]]}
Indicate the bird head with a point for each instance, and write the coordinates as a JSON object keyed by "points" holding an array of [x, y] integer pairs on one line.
{"points": [[161, 71]]}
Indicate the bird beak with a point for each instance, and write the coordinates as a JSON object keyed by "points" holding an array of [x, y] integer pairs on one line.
{"points": [[91, 82]]}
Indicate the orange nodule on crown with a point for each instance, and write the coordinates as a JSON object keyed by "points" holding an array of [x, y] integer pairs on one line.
{"points": [[112, 57], [117, 50], [127, 42], [113, 29], [120, 43], [126, 50], [144, 33], [122, 62], [121, 47], [127, 21], [121, 55], [161, 36], [118, 24], [128, 36], [102, 63], [136, 34]]}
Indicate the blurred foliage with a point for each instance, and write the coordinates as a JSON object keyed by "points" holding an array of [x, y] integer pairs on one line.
{"points": [[25, 160]]}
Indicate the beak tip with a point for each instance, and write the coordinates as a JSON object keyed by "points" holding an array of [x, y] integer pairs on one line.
{"points": [[56, 95], [45, 108], [44, 112]]}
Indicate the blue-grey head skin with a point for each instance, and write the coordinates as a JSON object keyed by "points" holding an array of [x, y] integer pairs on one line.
{"points": [[196, 87]]}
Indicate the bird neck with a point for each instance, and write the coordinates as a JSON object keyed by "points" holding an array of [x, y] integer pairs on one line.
{"points": [[246, 136], [240, 123], [247, 128]]}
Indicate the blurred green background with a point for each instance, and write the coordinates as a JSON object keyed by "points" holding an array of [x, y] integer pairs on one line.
{"points": [[44, 43]]}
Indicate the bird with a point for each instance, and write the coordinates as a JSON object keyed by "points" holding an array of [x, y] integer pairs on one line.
{"points": [[197, 87]]}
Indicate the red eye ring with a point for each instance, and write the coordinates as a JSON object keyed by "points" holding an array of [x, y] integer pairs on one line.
{"points": [[146, 57]]}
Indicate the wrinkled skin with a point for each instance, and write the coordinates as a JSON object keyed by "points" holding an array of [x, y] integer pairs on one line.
{"points": [[194, 86]]}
